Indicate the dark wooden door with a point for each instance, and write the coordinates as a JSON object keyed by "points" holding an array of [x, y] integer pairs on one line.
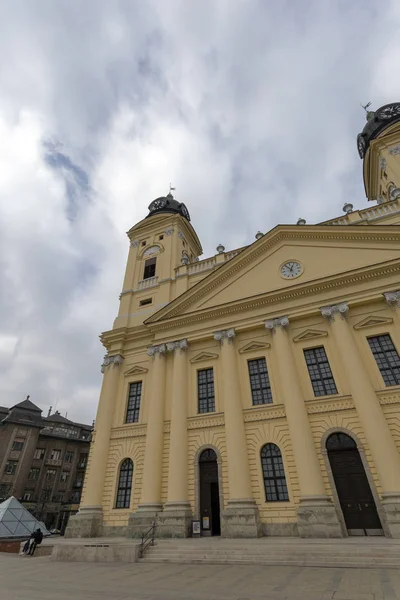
{"points": [[353, 489], [209, 492]]}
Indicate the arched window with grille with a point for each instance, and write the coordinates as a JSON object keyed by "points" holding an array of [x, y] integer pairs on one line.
{"points": [[124, 484], [274, 474]]}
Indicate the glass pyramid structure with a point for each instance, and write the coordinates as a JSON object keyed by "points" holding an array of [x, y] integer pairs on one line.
{"points": [[16, 521]]}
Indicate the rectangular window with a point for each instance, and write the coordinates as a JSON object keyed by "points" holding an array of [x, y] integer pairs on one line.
{"points": [[27, 496], [11, 467], [50, 475], [64, 476], [69, 456], [205, 387], [4, 490], [320, 372], [146, 301], [55, 455], [387, 358], [75, 497], [259, 381], [33, 474], [46, 495], [39, 453], [135, 392], [17, 445], [82, 461], [78, 481], [149, 268]]}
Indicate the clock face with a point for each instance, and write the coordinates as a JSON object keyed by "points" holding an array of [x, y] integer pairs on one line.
{"points": [[361, 145], [185, 212], [157, 204], [291, 269]]}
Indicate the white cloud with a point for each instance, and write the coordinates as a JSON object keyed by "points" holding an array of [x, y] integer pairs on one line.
{"points": [[250, 109]]}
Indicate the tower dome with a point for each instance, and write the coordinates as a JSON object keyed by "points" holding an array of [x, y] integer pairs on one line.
{"points": [[377, 121], [168, 204]]}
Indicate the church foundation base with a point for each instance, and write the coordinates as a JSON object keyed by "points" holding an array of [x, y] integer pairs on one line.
{"points": [[87, 523], [240, 520], [391, 514], [175, 520], [317, 518], [140, 521]]}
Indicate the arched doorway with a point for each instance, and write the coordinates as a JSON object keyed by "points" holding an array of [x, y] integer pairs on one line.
{"points": [[209, 493], [352, 486]]}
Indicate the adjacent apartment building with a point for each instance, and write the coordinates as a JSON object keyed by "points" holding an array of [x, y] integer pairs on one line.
{"points": [[43, 461]]}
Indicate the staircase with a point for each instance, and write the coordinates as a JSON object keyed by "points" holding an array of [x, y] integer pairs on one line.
{"points": [[364, 553]]}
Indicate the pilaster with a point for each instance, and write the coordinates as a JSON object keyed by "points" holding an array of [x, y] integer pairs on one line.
{"points": [[88, 521], [240, 518], [372, 419], [316, 514]]}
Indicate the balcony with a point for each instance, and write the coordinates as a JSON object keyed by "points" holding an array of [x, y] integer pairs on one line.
{"points": [[147, 283], [50, 462]]}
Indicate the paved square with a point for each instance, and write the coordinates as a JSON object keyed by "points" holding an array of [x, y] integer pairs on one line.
{"points": [[41, 579]]}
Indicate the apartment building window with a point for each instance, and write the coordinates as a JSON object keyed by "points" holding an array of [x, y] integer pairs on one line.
{"points": [[4, 490], [69, 456], [33, 474], [259, 381], [274, 474], [11, 467], [320, 372], [45, 495], [75, 497], [387, 358], [64, 476], [17, 445], [55, 455], [205, 387], [149, 268], [82, 461], [27, 496], [133, 409], [39, 453], [50, 475], [78, 480]]}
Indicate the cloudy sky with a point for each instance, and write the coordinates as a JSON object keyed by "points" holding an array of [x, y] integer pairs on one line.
{"points": [[250, 108]]}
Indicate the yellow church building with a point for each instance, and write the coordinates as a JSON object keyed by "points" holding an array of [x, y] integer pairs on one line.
{"points": [[256, 391]]}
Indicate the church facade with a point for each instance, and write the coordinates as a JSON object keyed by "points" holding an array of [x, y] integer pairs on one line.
{"points": [[256, 391]]}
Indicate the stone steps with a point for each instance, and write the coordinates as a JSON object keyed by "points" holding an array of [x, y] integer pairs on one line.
{"points": [[361, 555]]}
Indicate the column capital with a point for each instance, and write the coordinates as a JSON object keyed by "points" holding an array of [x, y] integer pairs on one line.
{"points": [[181, 345], [272, 324], [115, 360], [226, 334], [160, 350], [393, 298], [329, 311]]}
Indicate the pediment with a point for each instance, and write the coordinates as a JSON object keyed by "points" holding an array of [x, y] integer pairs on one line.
{"points": [[372, 322], [254, 346], [310, 334], [136, 370], [203, 356], [324, 253]]}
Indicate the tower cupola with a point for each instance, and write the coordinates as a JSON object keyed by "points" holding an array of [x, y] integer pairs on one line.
{"points": [[168, 204]]}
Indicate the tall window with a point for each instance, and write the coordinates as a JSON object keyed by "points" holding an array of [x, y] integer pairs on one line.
{"points": [[82, 461], [17, 445], [149, 268], [124, 484], [69, 456], [55, 455], [33, 474], [11, 467], [50, 475], [132, 412], [320, 372], [259, 381], [387, 358], [39, 453], [64, 476], [274, 474], [205, 387]]}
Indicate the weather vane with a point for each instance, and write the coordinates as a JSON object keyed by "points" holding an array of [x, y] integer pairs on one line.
{"points": [[171, 189], [366, 106]]}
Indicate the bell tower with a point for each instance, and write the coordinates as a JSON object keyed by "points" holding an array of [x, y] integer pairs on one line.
{"points": [[379, 147], [159, 245]]}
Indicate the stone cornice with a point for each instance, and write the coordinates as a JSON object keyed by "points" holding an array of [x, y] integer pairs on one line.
{"points": [[128, 431], [266, 413], [390, 396], [331, 405], [206, 421], [331, 284]]}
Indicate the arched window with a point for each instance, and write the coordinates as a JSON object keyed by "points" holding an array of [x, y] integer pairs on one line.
{"points": [[340, 441], [274, 474], [124, 484], [208, 455]]}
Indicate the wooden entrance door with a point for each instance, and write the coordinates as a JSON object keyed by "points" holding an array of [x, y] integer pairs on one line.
{"points": [[352, 486]]}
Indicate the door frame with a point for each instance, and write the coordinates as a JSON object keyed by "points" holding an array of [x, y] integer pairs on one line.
{"points": [[197, 479], [368, 473]]}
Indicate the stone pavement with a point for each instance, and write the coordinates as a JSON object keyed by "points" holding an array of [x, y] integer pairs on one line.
{"points": [[41, 579]]}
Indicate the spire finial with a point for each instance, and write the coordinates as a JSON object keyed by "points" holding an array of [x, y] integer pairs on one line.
{"points": [[28, 397], [369, 113], [171, 189]]}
